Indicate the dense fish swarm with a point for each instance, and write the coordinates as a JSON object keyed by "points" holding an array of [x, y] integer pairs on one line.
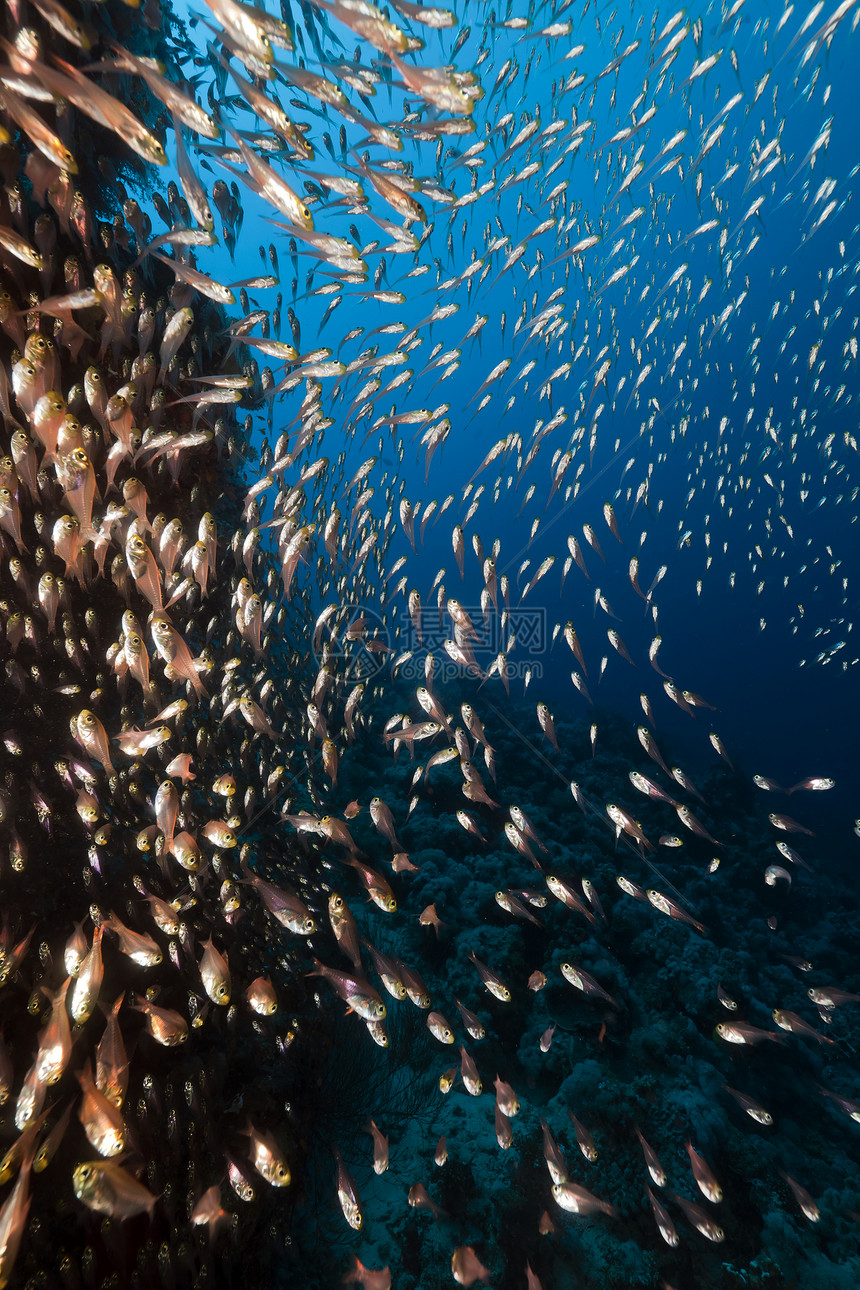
{"points": [[261, 768]]}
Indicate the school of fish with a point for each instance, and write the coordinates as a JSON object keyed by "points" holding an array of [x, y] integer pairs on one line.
{"points": [[548, 228]]}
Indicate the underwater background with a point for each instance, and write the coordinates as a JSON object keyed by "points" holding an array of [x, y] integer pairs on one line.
{"points": [[430, 682]]}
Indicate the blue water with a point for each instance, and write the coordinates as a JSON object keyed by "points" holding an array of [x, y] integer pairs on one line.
{"points": [[708, 394], [750, 506]]}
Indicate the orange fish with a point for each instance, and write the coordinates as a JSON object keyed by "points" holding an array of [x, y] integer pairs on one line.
{"points": [[101, 1119], [467, 1268], [13, 1219], [107, 1188]]}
